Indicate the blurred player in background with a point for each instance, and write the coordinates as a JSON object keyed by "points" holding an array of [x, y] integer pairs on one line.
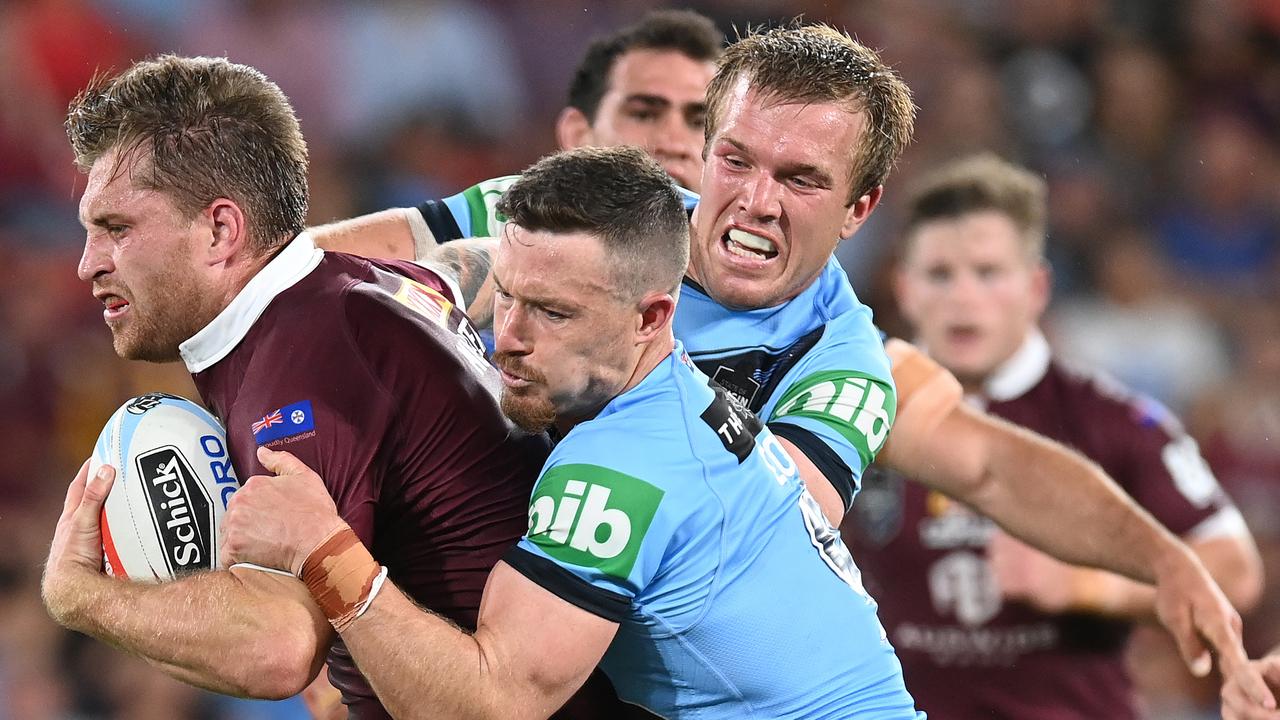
{"points": [[986, 626], [646, 85], [194, 210], [760, 173], [656, 523]]}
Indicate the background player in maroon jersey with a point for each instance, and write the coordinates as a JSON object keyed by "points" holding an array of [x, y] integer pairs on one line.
{"points": [[986, 626], [194, 206]]}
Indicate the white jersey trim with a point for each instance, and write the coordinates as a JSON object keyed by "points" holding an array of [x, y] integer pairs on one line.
{"points": [[1226, 523], [217, 339], [1022, 371]]}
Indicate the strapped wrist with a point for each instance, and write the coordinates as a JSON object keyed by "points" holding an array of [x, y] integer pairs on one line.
{"points": [[342, 576]]}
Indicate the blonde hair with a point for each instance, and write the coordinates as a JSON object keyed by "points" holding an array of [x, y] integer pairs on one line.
{"points": [[820, 64]]}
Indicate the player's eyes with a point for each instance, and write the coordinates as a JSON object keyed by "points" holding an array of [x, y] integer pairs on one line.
{"points": [[643, 115]]}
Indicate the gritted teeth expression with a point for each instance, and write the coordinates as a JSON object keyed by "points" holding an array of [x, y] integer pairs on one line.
{"points": [[775, 198]]}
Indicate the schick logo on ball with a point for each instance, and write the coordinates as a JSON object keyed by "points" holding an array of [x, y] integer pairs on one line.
{"points": [[592, 516], [180, 509]]}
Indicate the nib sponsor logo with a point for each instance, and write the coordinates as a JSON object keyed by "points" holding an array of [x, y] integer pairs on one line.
{"points": [[180, 509], [592, 516]]}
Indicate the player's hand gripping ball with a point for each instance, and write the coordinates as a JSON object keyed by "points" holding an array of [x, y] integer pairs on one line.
{"points": [[174, 479]]}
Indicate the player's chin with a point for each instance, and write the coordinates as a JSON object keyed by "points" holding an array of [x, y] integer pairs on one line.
{"points": [[746, 293], [529, 412]]}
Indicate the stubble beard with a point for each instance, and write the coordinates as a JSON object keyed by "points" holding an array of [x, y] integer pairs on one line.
{"points": [[532, 413], [163, 322]]}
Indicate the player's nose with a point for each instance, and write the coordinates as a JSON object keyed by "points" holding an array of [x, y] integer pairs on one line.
{"points": [[510, 330], [761, 196], [94, 260]]}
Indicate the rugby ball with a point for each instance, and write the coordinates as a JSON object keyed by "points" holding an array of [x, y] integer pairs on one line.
{"points": [[173, 481]]}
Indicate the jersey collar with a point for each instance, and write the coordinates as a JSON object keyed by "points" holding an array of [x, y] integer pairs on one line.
{"points": [[221, 336], [1021, 372]]}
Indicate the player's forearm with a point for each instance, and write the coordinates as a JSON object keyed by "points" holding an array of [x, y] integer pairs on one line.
{"points": [[1065, 505], [1228, 560], [1235, 565], [423, 666], [385, 234], [205, 629]]}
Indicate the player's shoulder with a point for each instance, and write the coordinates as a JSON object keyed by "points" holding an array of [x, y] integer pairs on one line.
{"points": [[653, 442], [399, 311], [642, 442], [1100, 395], [850, 345]]}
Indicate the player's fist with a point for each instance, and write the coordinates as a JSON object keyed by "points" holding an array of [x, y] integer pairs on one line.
{"points": [[276, 520]]}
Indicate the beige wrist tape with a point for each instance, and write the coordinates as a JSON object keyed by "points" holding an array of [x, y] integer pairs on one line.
{"points": [[342, 576]]}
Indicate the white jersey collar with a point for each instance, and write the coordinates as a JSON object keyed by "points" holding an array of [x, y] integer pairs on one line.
{"points": [[217, 339], [1021, 372]]}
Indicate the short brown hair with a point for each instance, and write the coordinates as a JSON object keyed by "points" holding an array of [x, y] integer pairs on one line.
{"points": [[684, 31], [208, 128], [977, 183], [621, 196], [819, 64]]}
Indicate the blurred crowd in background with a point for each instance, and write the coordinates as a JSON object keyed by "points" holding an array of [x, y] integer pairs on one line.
{"points": [[1156, 123]]}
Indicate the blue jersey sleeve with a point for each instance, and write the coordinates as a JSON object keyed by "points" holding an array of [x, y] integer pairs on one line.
{"points": [[600, 525], [471, 213], [838, 403]]}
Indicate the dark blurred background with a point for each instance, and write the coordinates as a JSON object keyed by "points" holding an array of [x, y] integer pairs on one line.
{"points": [[1156, 122]]}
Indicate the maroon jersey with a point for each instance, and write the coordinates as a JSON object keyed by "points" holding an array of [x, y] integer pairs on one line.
{"points": [[367, 372], [965, 653]]}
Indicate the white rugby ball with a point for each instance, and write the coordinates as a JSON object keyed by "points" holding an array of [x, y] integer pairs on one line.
{"points": [[173, 481]]}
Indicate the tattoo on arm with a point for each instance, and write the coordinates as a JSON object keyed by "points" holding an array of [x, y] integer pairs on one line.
{"points": [[469, 263]]}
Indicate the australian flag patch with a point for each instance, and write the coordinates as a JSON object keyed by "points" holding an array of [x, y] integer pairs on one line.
{"points": [[293, 419]]}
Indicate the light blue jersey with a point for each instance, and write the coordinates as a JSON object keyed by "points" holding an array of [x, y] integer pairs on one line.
{"points": [[814, 368], [677, 514]]}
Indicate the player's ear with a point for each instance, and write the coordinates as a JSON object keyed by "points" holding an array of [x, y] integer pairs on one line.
{"points": [[860, 210], [228, 232], [656, 311], [573, 129]]}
